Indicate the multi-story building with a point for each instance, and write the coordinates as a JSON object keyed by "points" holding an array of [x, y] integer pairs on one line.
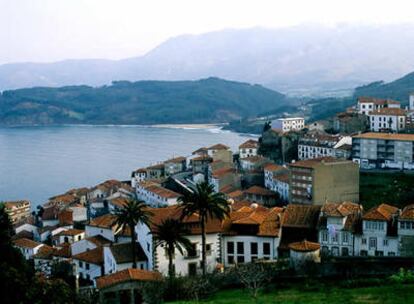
{"points": [[248, 148], [383, 150], [175, 165], [253, 233], [406, 231], [379, 232], [315, 181], [277, 179], [366, 105], [288, 124], [211, 151], [225, 178], [138, 176], [387, 119], [317, 145], [155, 195], [338, 224], [17, 210], [350, 123]]}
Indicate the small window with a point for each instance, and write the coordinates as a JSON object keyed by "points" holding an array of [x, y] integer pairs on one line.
{"points": [[240, 259], [230, 247], [240, 247], [385, 242], [87, 266], [266, 248], [80, 264], [230, 259], [253, 248]]}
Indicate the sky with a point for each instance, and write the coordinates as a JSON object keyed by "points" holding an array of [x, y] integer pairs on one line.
{"points": [[53, 30]]}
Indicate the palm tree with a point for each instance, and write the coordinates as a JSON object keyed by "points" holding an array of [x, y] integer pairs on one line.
{"points": [[132, 213], [171, 234], [207, 205]]}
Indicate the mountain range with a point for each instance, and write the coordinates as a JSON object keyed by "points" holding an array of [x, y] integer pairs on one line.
{"points": [[305, 60], [211, 100]]}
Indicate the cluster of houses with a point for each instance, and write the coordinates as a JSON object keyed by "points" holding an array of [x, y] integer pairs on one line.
{"points": [[292, 193]]}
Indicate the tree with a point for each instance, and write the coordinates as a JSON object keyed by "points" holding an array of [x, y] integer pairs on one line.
{"points": [[171, 234], [253, 276], [132, 213], [207, 205]]}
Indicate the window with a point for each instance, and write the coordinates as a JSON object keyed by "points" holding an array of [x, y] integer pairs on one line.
{"points": [[148, 246], [240, 248], [230, 247], [80, 264], [335, 251], [364, 241], [364, 253], [324, 236], [391, 253], [345, 237], [345, 251], [240, 259], [266, 248], [335, 238], [87, 266], [379, 253], [208, 249], [230, 259], [253, 248], [385, 242], [372, 242], [192, 269]]}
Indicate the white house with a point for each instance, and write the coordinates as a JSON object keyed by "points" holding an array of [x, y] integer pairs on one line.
{"points": [[387, 119], [379, 232], [366, 105], [212, 150], [288, 124], [104, 226], [276, 178], [316, 145], [27, 247], [118, 257], [138, 176], [252, 233], [68, 236], [338, 223], [43, 260], [406, 231], [175, 165], [155, 195], [189, 262], [89, 264], [89, 243], [248, 148]]}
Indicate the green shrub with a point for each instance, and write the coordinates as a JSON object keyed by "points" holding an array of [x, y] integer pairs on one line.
{"points": [[402, 277]]}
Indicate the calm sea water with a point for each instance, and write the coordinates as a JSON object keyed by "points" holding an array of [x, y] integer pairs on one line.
{"points": [[39, 162]]}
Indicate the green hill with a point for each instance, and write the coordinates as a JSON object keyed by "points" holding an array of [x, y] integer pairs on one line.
{"points": [[143, 102], [398, 89]]}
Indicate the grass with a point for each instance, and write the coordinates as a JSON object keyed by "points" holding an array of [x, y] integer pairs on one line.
{"points": [[388, 294], [394, 188]]}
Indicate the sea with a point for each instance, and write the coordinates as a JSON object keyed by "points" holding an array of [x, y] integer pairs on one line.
{"points": [[39, 162]]}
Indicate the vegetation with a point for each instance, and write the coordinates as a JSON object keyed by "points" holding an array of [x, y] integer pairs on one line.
{"points": [[142, 102], [398, 89], [383, 294], [394, 188], [170, 234], [207, 204], [327, 107], [132, 213]]}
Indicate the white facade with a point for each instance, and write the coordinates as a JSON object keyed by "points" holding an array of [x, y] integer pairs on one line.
{"points": [[323, 149], [111, 265], [372, 104], [82, 246], [86, 270], [375, 241], [29, 252], [245, 249], [411, 101], [137, 177], [288, 124], [156, 196], [107, 233], [394, 122], [335, 240]]}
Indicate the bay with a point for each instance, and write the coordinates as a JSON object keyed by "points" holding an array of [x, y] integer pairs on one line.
{"points": [[39, 162]]}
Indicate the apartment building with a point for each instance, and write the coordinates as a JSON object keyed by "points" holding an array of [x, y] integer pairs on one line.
{"points": [[288, 124], [17, 210], [387, 119], [315, 181], [383, 150], [315, 145]]}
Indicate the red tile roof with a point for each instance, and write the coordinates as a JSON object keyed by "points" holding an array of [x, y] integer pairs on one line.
{"points": [[311, 163], [44, 252], [407, 213], [65, 217], [377, 101], [386, 136], [251, 143], [260, 191], [304, 246], [26, 243], [104, 221], [159, 190], [301, 216], [273, 167], [71, 232], [218, 147], [383, 212], [222, 172], [178, 159], [93, 256], [127, 275], [389, 111], [284, 177]]}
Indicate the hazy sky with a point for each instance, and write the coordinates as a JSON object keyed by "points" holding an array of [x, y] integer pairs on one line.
{"points": [[50, 30]]}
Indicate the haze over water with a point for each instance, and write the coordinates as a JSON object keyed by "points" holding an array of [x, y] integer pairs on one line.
{"points": [[39, 162]]}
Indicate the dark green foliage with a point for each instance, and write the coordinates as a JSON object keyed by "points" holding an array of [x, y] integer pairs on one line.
{"points": [[328, 107], [132, 213], [208, 205], [397, 90], [153, 292], [143, 102]]}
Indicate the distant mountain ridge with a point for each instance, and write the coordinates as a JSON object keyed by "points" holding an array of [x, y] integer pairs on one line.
{"points": [[209, 100], [299, 59]]}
